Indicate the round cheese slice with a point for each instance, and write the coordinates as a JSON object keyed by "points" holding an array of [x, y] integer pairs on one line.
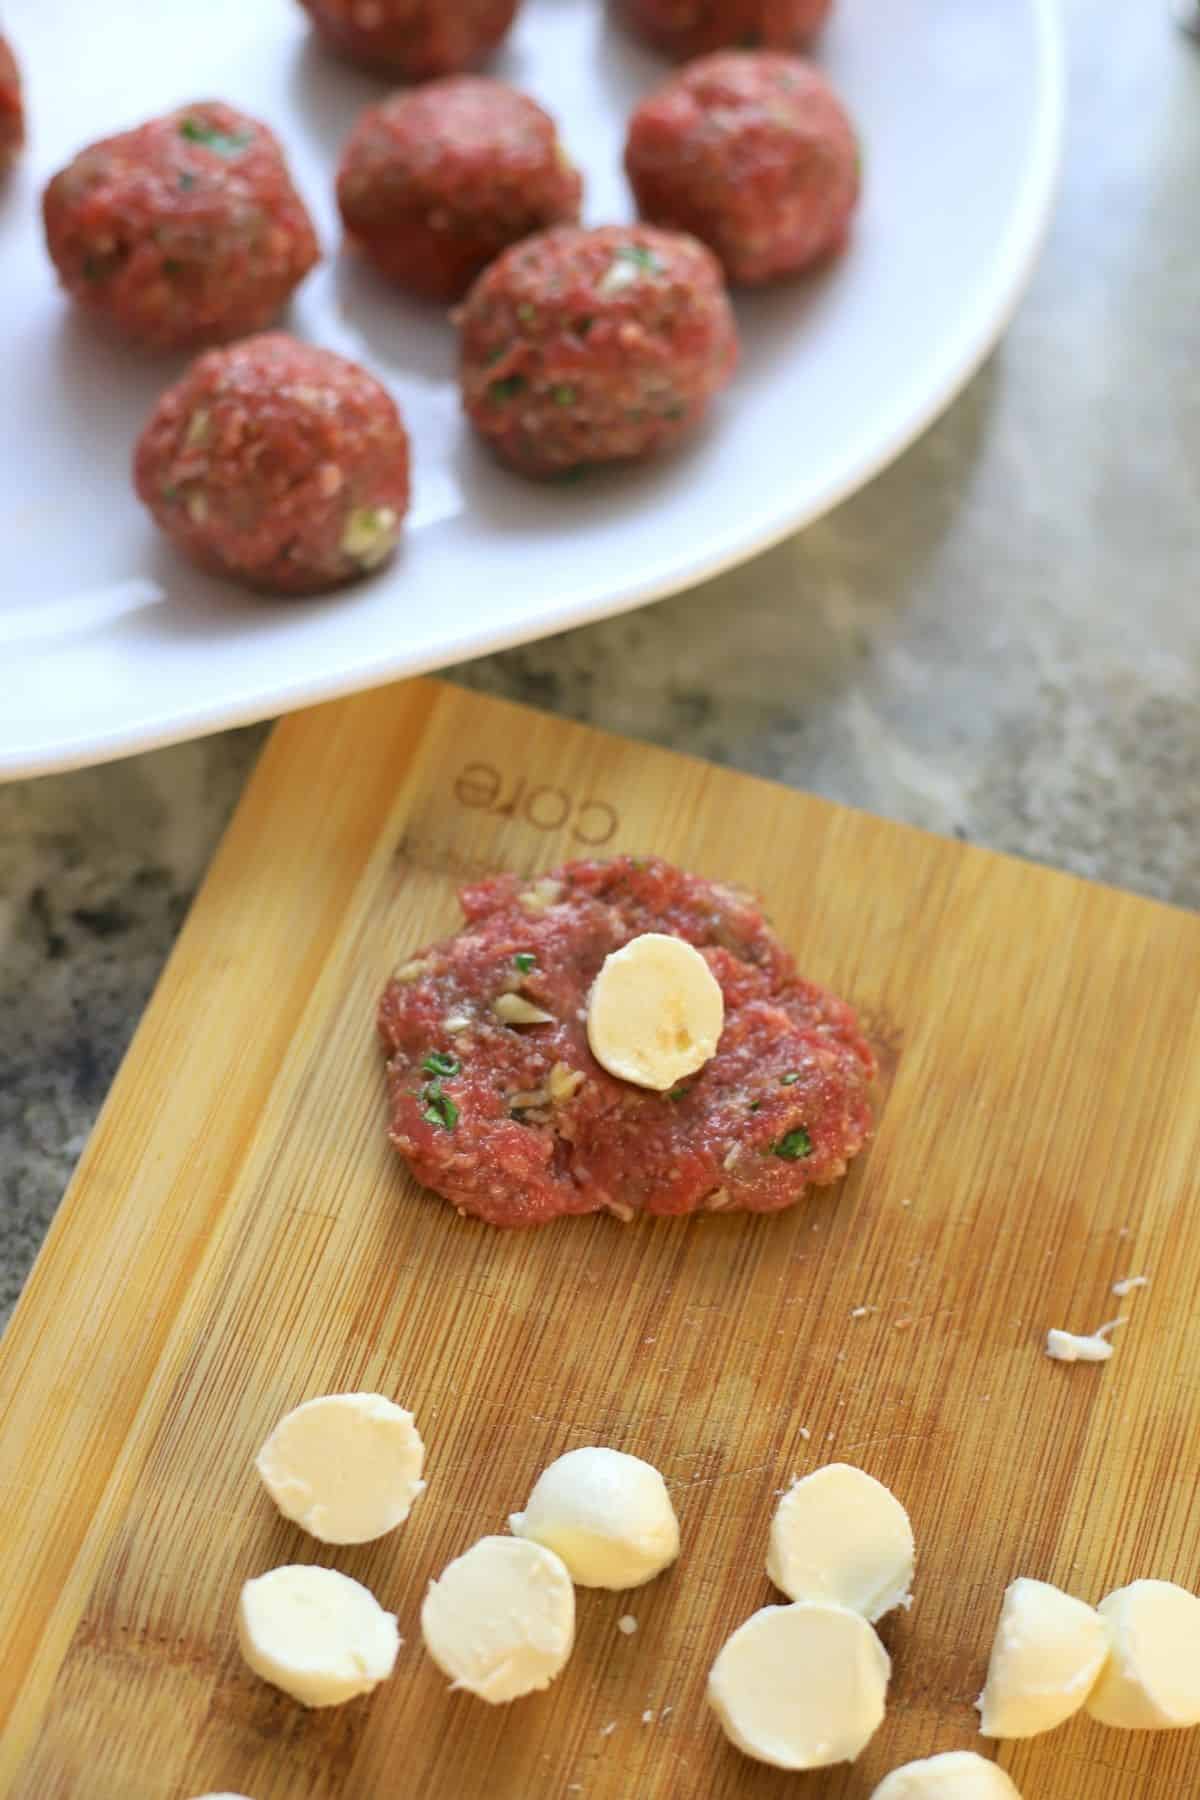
{"points": [[500, 1619], [316, 1634], [839, 1535], [347, 1467], [655, 1012], [801, 1686]]}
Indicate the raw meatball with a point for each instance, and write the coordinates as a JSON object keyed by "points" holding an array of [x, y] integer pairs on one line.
{"points": [[497, 1103], [436, 182], [753, 152], [185, 231], [413, 39], [686, 28], [586, 347], [277, 463], [12, 111]]}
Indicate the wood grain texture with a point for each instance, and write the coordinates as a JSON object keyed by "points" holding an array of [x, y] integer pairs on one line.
{"points": [[239, 1236]]}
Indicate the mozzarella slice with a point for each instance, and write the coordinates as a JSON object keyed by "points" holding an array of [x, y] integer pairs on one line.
{"points": [[318, 1635], [841, 1536], [608, 1515], [801, 1686], [955, 1775], [1048, 1651], [347, 1467], [1151, 1681], [500, 1619], [655, 1012]]}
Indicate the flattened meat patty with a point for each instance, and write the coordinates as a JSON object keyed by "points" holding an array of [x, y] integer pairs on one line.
{"points": [[497, 1103]]}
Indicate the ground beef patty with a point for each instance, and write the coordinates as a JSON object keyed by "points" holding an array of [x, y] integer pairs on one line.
{"points": [[185, 231], [282, 465], [686, 28], [413, 39], [436, 182], [12, 111], [594, 346], [753, 152], [497, 1103]]}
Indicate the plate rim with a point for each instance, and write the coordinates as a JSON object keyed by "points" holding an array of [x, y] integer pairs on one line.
{"points": [[983, 328]]}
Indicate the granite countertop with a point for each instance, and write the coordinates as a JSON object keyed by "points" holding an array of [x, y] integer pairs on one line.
{"points": [[1000, 638]]}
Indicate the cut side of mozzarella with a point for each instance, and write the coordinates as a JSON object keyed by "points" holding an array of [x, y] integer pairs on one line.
{"points": [[1151, 1681], [316, 1634], [608, 1515], [1047, 1655], [655, 1012], [500, 1619], [347, 1467], [955, 1775], [841, 1536], [801, 1686]]}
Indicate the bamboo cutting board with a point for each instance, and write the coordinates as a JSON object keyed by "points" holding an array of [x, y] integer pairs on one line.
{"points": [[239, 1236]]}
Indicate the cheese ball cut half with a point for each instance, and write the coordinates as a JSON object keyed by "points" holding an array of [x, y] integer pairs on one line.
{"points": [[841, 1536], [316, 1634], [608, 1515], [801, 1686], [955, 1775], [1048, 1651], [500, 1619], [656, 1012], [347, 1467], [1151, 1681]]}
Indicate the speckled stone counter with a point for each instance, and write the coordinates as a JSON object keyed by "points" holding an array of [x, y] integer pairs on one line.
{"points": [[1000, 638]]}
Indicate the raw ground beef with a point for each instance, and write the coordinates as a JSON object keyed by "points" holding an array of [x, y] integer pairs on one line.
{"points": [[509, 1116], [591, 346], [12, 110], [413, 39], [281, 464], [753, 152], [183, 232], [437, 181], [687, 28]]}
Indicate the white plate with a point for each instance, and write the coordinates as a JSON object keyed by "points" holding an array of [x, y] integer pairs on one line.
{"points": [[109, 644]]}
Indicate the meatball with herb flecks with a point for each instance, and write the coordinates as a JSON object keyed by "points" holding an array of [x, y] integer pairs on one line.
{"points": [[687, 28], [12, 109], [582, 347], [413, 39], [754, 153], [278, 464], [435, 182], [184, 232]]}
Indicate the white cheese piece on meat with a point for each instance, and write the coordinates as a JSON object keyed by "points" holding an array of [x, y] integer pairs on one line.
{"points": [[656, 1012]]}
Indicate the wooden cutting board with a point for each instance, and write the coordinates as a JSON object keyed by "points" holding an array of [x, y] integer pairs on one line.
{"points": [[239, 1236]]}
